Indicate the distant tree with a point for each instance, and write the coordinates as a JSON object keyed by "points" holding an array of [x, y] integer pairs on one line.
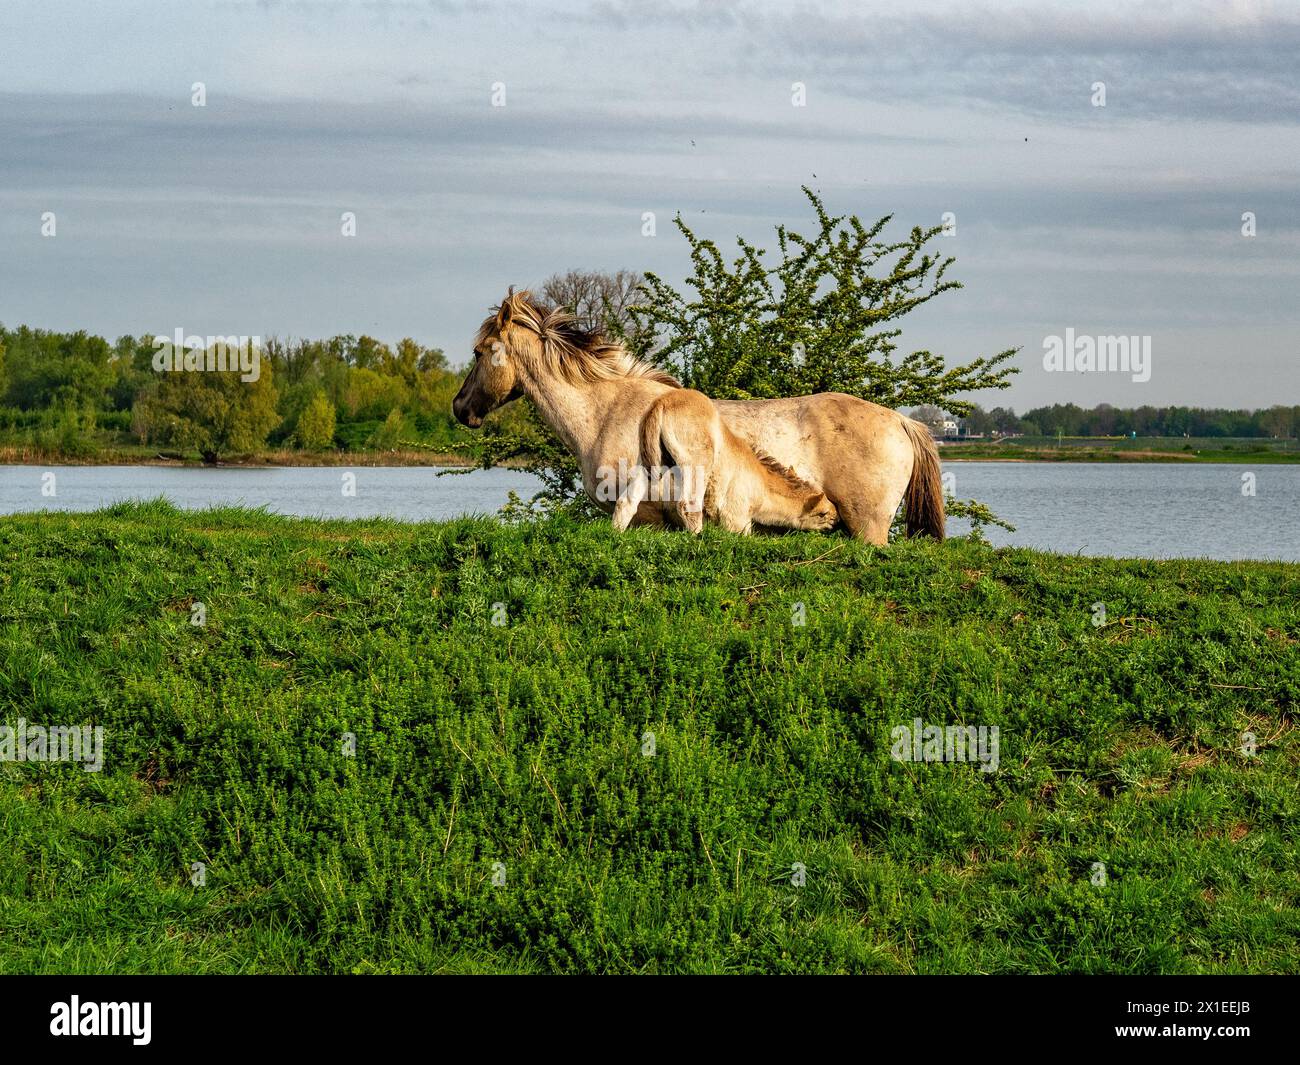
{"points": [[928, 414], [212, 412], [391, 432], [132, 370], [315, 431], [978, 421], [411, 359], [371, 393], [1278, 422], [432, 360], [1005, 420], [600, 301], [61, 370], [1178, 422], [365, 380], [367, 353], [1147, 421], [1063, 419]]}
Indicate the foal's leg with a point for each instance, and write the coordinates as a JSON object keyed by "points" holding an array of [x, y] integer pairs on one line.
{"points": [[638, 487], [733, 521]]}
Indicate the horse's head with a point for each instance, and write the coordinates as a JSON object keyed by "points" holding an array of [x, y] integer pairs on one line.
{"points": [[546, 342], [493, 379]]}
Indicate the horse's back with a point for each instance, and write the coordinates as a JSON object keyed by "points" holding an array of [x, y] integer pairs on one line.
{"points": [[813, 434], [857, 452]]}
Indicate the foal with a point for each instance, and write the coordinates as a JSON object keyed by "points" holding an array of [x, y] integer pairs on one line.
{"points": [[713, 474]]}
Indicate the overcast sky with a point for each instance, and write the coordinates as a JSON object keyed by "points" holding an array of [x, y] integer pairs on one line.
{"points": [[1123, 219]]}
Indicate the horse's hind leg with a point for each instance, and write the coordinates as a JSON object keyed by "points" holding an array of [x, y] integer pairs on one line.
{"points": [[688, 439], [692, 520], [634, 494], [867, 508], [690, 483], [867, 523]]}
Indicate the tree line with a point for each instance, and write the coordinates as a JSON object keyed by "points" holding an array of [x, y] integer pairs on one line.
{"points": [[66, 391], [1069, 419]]}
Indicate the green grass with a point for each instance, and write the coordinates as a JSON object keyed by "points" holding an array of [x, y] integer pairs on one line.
{"points": [[522, 744]]}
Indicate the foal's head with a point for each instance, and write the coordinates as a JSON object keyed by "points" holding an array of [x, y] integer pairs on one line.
{"points": [[791, 502], [819, 513]]}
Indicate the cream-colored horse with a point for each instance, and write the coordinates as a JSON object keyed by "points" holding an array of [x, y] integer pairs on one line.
{"points": [[865, 458]]}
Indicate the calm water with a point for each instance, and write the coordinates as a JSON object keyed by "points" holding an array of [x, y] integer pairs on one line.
{"points": [[1150, 510], [1138, 510], [416, 493]]}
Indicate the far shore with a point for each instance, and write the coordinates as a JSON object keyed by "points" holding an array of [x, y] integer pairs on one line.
{"points": [[1104, 455], [22, 456], [29, 457]]}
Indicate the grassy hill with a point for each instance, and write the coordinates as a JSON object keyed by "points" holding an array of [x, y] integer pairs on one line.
{"points": [[500, 685]]}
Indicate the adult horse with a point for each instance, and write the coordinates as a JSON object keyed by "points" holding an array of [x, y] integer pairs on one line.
{"points": [[866, 458]]}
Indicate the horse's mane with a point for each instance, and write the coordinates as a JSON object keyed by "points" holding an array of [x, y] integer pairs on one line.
{"points": [[575, 353], [784, 472]]}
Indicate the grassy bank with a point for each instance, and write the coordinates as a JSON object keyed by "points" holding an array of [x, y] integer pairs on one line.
{"points": [[130, 455], [519, 751]]}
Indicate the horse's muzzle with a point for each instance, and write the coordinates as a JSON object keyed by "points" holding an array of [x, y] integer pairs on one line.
{"points": [[460, 409]]}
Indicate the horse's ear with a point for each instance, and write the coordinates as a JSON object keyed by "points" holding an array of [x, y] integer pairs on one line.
{"points": [[506, 311]]}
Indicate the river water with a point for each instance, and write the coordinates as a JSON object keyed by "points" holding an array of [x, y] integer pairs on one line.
{"points": [[1140, 510]]}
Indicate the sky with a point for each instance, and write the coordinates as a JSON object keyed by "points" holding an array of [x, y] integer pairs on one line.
{"points": [[483, 145]]}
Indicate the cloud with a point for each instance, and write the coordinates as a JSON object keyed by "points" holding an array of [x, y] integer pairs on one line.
{"points": [[1233, 61], [228, 215]]}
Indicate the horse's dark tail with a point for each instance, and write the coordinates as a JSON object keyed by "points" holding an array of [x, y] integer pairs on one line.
{"points": [[923, 500]]}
